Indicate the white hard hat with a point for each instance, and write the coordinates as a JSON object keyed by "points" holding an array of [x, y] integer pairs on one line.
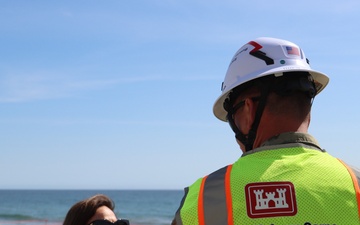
{"points": [[261, 57]]}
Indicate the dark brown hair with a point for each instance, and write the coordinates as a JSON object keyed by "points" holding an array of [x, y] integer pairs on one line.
{"points": [[81, 212]]}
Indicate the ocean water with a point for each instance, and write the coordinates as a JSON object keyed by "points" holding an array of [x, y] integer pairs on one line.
{"points": [[49, 207]]}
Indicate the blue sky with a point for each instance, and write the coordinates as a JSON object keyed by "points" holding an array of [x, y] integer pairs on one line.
{"points": [[118, 94]]}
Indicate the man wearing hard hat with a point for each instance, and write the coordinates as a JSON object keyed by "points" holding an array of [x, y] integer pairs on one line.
{"points": [[284, 177]]}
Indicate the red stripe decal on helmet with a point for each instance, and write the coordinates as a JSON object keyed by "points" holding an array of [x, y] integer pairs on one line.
{"points": [[259, 54], [256, 45]]}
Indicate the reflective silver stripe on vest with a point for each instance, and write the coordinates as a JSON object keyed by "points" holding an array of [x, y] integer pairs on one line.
{"points": [[356, 171], [215, 211]]}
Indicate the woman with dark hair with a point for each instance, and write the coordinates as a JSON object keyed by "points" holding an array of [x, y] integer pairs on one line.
{"points": [[96, 210]]}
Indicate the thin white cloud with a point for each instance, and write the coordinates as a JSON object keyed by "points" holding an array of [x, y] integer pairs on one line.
{"points": [[42, 86], [21, 88], [102, 121]]}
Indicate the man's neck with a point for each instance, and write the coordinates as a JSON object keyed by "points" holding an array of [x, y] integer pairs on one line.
{"points": [[272, 128]]}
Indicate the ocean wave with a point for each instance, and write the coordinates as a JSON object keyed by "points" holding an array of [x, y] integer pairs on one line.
{"points": [[16, 217], [28, 222]]}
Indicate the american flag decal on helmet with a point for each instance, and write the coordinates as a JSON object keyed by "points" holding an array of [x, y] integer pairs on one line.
{"points": [[292, 50]]}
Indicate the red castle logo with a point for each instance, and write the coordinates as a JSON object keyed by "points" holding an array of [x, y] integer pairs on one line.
{"points": [[270, 199]]}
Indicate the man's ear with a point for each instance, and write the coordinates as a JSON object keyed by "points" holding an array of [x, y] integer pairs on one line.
{"points": [[250, 111]]}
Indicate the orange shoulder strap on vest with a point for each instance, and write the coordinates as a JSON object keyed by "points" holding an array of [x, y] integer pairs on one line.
{"points": [[355, 175]]}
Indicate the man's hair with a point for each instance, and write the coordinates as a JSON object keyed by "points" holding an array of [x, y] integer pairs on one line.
{"points": [[297, 105], [289, 95]]}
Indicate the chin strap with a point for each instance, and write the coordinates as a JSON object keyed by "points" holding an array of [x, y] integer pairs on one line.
{"points": [[248, 139], [259, 111]]}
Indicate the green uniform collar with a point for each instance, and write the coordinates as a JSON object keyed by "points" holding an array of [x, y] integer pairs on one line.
{"points": [[288, 139]]}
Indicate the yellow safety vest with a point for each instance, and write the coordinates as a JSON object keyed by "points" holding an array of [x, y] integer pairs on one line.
{"points": [[291, 185]]}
